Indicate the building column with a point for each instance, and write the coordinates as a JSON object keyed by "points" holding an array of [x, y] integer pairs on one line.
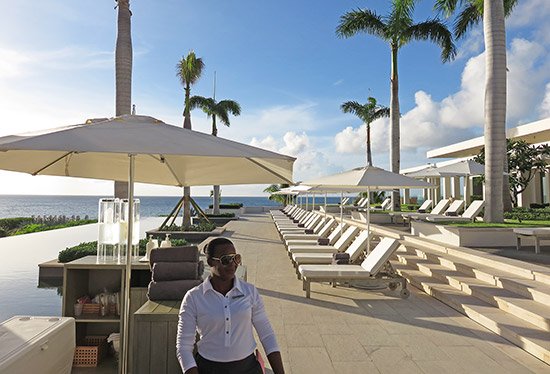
{"points": [[426, 191], [447, 187], [467, 190], [455, 188], [406, 196]]}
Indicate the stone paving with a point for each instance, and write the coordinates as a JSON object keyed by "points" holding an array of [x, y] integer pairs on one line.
{"points": [[347, 330]]}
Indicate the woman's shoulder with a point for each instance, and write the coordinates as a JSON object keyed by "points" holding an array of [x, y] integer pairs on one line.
{"points": [[247, 287]]}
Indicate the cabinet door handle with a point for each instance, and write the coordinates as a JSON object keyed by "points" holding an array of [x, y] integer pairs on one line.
{"points": [[44, 346]]}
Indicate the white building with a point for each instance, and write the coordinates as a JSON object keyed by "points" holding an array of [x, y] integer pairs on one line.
{"points": [[462, 187]]}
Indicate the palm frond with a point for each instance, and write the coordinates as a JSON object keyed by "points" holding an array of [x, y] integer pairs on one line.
{"points": [[447, 7], [189, 68], [435, 31], [361, 21], [509, 6], [400, 17], [381, 112], [352, 107], [224, 108], [468, 18], [205, 104]]}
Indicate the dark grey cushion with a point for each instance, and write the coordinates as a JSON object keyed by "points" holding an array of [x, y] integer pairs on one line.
{"points": [[170, 290], [174, 254], [167, 271]]}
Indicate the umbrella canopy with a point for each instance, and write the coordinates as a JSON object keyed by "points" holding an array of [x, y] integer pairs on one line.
{"points": [[428, 172], [371, 177], [140, 149], [366, 178], [462, 168], [164, 154]]}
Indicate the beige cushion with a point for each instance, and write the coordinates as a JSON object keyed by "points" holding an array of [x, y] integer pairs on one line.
{"points": [[312, 249], [298, 242], [333, 272], [312, 258]]}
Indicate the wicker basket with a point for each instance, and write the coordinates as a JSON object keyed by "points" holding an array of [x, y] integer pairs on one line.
{"points": [[90, 308], [91, 352]]}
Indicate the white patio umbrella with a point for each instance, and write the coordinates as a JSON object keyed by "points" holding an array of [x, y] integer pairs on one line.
{"points": [[141, 149], [366, 178]]}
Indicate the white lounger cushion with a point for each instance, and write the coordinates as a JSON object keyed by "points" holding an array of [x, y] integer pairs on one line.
{"points": [[369, 267], [354, 251], [339, 246], [439, 208]]}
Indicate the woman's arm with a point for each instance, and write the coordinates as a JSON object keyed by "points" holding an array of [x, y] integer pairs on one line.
{"points": [[185, 341], [276, 362]]}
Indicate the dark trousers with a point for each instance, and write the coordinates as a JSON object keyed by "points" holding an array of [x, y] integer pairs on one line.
{"points": [[248, 365]]}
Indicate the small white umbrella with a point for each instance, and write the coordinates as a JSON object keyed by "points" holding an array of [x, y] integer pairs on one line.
{"points": [[366, 178], [141, 149]]}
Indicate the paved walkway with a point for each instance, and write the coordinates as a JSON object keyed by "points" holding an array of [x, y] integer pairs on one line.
{"points": [[345, 330]]}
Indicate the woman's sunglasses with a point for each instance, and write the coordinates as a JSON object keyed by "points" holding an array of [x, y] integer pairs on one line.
{"points": [[227, 259]]}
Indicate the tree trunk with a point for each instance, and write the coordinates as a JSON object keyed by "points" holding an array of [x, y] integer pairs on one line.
{"points": [[216, 194], [216, 200], [187, 190], [495, 108], [123, 74], [394, 125], [369, 154]]}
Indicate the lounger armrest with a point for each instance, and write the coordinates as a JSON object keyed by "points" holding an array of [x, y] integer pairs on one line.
{"points": [[451, 214], [309, 231], [421, 211], [323, 241], [301, 225]]}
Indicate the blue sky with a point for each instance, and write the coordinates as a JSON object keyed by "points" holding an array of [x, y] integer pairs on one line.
{"points": [[281, 60]]}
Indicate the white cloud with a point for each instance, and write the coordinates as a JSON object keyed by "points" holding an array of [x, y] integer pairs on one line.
{"points": [[544, 108], [529, 12]]}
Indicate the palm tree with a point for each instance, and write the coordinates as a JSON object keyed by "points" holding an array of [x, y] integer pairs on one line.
{"points": [[396, 28], [189, 70], [368, 113], [123, 73], [492, 13], [220, 110]]}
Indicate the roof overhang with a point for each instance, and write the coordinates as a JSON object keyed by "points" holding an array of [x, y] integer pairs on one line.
{"points": [[532, 133]]}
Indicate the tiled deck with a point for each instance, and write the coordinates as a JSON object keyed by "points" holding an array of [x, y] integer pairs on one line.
{"points": [[345, 330]]}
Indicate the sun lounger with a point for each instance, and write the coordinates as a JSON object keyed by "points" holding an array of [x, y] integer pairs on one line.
{"points": [[354, 251], [469, 214], [451, 212], [439, 208], [308, 225], [340, 245], [370, 268], [318, 232], [331, 239], [537, 233]]}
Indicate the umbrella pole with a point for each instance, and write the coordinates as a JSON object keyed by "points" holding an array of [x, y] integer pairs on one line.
{"points": [[313, 206], [368, 220], [128, 272], [325, 205], [341, 211]]}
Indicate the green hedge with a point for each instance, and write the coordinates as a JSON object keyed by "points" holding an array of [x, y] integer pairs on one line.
{"points": [[203, 226], [8, 225], [528, 214], [228, 206], [90, 249], [222, 215]]}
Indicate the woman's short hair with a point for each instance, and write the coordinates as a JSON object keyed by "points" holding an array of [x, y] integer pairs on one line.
{"points": [[210, 248]]}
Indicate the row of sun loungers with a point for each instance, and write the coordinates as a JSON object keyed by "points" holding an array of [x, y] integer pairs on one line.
{"points": [[323, 250], [447, 211]]}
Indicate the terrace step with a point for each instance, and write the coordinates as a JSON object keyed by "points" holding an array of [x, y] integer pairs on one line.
{"points": [[527, 336], [540, 273], [531, 311], [527, 287]]}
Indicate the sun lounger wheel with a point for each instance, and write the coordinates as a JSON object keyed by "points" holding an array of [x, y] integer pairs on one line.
{"points": [[404, 293]]}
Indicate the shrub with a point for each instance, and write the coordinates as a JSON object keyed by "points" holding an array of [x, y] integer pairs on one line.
{"points": [[528, 214], [202, 226], [72, 253], [90, 249], [222, 215], [8, 225], [228, 206]]}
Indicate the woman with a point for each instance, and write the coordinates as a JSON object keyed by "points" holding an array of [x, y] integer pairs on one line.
{"points": [[223, 310]]}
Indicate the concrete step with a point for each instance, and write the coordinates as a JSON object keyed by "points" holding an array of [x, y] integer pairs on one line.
{"points": [[529, 337], [519, 268], [527, 287], [531, 311]]}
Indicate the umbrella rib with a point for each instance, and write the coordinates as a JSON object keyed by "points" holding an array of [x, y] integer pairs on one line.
{"points": [[51, 163], [163, 160], [268, 170]]}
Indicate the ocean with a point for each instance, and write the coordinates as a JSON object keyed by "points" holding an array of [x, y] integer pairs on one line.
{"points": [[150, 206]]}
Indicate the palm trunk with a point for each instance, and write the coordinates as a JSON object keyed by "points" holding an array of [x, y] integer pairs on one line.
{"points": [[369, 153], [394, 125], [495, 108], [187, 190], [123, 74], [216, 194]]}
